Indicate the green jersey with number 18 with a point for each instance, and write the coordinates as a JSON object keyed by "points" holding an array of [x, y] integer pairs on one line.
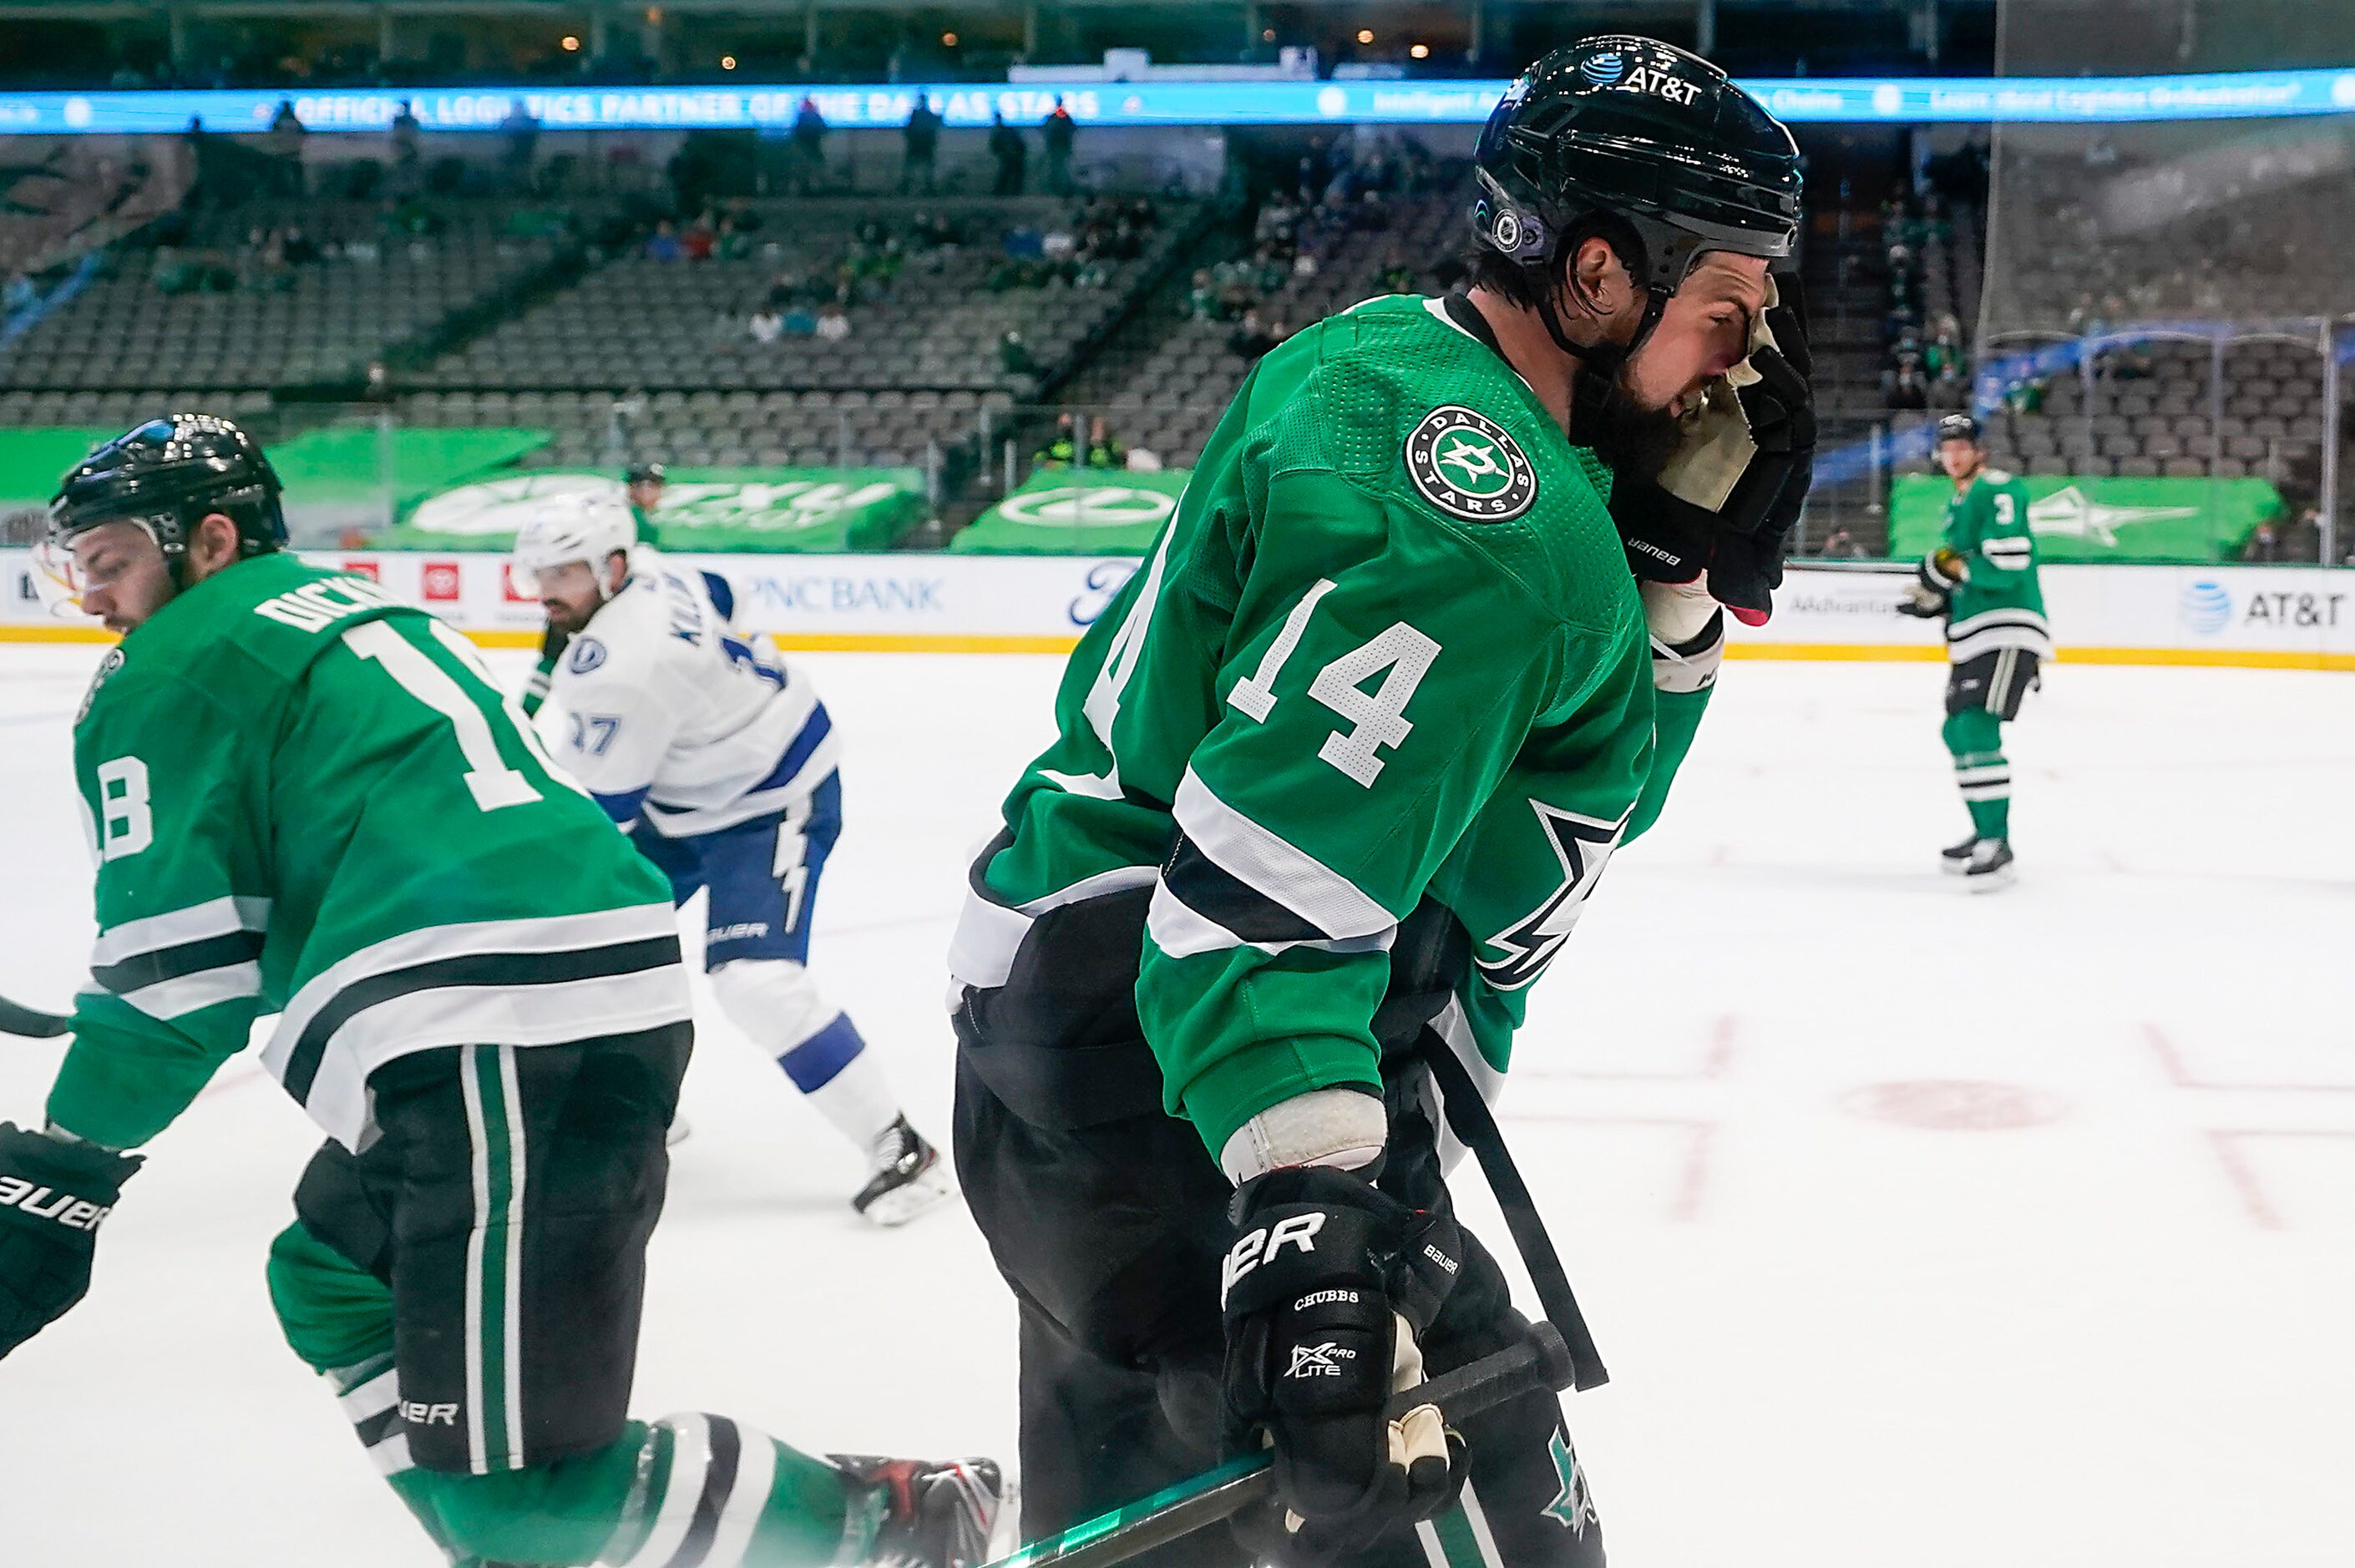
{"points": [[1386, 654], [307, 799]]}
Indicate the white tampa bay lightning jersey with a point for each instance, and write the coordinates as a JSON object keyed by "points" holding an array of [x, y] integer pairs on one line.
{"points": [[671, 713]]}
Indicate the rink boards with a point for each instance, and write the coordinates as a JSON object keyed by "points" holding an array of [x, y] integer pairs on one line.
{"points": [[2268, 616]]}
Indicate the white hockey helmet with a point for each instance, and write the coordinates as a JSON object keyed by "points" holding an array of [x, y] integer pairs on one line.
{"points": [[587, 526]]}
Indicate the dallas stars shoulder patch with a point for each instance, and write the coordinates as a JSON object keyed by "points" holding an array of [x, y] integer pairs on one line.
{"points": [[1463, 463]]}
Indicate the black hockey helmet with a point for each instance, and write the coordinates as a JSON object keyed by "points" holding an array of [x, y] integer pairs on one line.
{"points": [[168, 476], [1630, 128], [1958, 428], [644, 473]]}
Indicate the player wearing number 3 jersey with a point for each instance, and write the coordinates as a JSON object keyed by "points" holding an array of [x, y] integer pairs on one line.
{"points": [[1334, 777], [309, 799], [719, 762]]}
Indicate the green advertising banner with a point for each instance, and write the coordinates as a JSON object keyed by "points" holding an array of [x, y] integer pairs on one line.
{"points": [[337, 477], [33, 457], [802, 509], [344, 474], [2102, 519], [1077, 512]]}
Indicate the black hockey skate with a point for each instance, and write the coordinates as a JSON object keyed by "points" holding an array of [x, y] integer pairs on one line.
{"points": [[906, 1179], [1989, 867], [1955, 859], [926, 1514]]}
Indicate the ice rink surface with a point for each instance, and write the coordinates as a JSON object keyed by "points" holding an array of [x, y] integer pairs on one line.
{"points": [[1918, 1229]]}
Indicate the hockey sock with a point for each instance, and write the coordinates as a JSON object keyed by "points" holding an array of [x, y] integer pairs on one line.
{"points": [[695, 1489], [845, 1082], [775, 1002], [1975, 739], [716, 1493]]}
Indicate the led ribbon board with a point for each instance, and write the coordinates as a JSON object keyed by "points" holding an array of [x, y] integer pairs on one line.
{"points": [[1800, 100]]}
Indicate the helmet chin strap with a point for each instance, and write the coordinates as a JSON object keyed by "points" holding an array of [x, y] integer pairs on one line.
{"points": [[1594, 385]]}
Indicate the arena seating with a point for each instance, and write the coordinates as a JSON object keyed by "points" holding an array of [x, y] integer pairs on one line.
{"points": [[218, 311], [673, 371], [1163, 385], [493, 317]]}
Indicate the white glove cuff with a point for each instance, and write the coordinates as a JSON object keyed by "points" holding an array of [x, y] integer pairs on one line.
{"points": [[1342, 1128], [1687, 635]]}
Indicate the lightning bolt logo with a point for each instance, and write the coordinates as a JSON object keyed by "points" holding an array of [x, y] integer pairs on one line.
{"points": [[1583, 846]]}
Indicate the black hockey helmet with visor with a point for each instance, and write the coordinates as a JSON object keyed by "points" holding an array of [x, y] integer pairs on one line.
{"points": [[1630, 129], [167, 475]]}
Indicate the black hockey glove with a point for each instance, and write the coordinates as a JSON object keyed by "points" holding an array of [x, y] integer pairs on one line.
{"points": [[53, 1195], [1727, 502], [1325, 1288]]}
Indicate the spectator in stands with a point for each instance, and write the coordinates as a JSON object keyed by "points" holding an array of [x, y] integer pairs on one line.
{"points": [[766, 325], [662, 244], [284, 144], [799, 321], [1057, 132], [1906, 389], [934, 231], [697, 243], [1011, 154], [1014, 355], [1202, 297], [408, 142], [808, 141], [1252, 336], [923, 146], [520, 139], [2264, 547], [1840, 545], [1396, 277], [1104, 448], [834, 322], [1063, 449]]}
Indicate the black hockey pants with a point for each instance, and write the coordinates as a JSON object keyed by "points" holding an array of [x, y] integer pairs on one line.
{"points": [[1107, 1218]]}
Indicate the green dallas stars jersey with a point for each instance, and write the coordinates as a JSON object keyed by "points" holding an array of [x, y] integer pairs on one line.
{"points": [[1997, 602], [307, 799], [1386, 651]]}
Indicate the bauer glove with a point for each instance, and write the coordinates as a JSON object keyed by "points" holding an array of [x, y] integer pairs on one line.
{"points": [[53, 1195], [1726, 502], [1325, 1290]]}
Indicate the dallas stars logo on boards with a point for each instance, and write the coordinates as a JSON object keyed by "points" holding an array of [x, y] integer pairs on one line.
{"points": [[1463, 463]]}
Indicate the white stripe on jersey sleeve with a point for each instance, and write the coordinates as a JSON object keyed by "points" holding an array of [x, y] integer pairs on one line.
{"points": [[184, 994], [1275, 869], [196, 923]]}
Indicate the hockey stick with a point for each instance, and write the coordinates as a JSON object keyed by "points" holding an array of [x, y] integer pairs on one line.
{"points": [[30, 1024], [1541, 1361]]}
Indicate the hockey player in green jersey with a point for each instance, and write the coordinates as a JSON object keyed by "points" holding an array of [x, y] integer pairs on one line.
{"points": [[309, 799], [1335, 773], [1981, 577]]}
